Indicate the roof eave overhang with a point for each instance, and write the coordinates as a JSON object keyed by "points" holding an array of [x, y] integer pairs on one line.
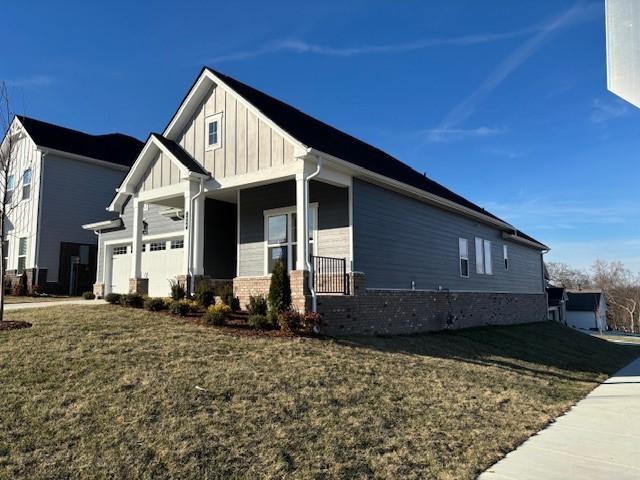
{"points": [[413, 191], [104, 225], [525, 241]]}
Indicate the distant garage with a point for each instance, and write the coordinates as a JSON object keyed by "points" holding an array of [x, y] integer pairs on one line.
{"points": [[162, 261]]}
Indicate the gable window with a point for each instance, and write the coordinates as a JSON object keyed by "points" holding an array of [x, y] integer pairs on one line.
{"points": [[505, 255], [213, 131], [11, 185], [281, 236], [22, 255], [463, 250], [484, 264], [26, 184]]}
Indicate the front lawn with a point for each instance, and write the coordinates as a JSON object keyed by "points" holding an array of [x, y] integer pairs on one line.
{"points": [[122, 393], [11, 299]]}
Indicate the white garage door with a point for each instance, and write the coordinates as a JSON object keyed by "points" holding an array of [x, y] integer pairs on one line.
{"points": [[120, 269], [162, 261]]}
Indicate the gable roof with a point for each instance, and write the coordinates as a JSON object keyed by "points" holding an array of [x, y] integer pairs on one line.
{"points": [[555, 296], [113, 147], [583, 301], [181, 155]]}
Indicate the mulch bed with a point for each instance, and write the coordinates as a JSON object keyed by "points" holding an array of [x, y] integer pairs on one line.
{"points": [[235, 326], [14, 325]]}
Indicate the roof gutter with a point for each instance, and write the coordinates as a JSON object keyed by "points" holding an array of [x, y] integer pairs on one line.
{"points": [[429, 197], [307, 180], [75, 156], [524, 241]]}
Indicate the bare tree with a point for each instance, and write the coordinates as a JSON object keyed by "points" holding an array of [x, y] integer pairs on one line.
{"points": [[563, 275], [622, 290], [8, 180]]}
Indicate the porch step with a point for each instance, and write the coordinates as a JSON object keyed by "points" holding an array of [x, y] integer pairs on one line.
{"points": [[241, 315]]}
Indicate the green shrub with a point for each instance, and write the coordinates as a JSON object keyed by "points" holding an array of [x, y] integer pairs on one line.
{"points": [[257, 305], [204, 294], [280, 288], [180, 308], [113, 298], [154, 304], [88, 296], [217, 314], [259, 322], [134, 300], [225, 292], [177, 290]]}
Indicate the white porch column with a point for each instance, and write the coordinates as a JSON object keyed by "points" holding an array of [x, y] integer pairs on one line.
{"points": [[198, 232], [301, 233], [136, 248], [188, 225]]}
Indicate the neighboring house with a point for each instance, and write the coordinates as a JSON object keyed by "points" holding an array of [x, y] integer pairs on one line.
{"points": [[60, 178], [557, 298], [238, 180], [587, 310]]}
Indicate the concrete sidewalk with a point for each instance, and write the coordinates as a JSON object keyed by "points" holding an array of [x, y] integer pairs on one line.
{"points": [[599, 438], [21, 306]]}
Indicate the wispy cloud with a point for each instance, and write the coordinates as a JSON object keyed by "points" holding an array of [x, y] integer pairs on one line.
{"points": [[32, 81], [505, 152], [301, 46], [463, 110], [444, 135], [603, 111]]}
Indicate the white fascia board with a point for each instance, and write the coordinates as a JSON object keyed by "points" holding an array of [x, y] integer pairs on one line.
{"points": [[252, 179], [413, 191], [104, 225], [207, 80], [524, 241], [82, 158]]}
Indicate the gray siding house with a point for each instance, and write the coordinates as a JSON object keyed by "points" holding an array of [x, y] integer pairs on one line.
{"points": [[60, 179], [239, 180]]}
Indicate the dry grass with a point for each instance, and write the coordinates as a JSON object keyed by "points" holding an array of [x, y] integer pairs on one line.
{"points": [[97, 392], [11, 299]]}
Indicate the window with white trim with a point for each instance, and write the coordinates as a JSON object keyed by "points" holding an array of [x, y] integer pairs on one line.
{"points": [[5, 257], [484, 263], [177, 244], [213, 131], [26, 184], [120, 250], [463, 251], [281, 236], [505, 255], [156, 246], [22, 255], [11, 185]]}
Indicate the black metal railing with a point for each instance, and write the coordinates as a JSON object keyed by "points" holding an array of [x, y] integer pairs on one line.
{"points": [[330, 275]]}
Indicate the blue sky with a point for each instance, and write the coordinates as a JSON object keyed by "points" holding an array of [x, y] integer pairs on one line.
{"points": [[504, 102]]}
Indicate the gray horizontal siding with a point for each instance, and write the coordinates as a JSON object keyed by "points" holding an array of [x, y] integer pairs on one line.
{"points": [[333, 220], [398, 240], [74, 193]]}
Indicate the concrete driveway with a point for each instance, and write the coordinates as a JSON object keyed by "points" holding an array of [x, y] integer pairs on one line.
{"points": [[599, 438], [21, 306]]}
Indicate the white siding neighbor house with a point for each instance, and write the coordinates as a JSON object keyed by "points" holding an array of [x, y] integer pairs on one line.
{"points": [[60, 179], [623, 54], [587, 310], [239, 180]]}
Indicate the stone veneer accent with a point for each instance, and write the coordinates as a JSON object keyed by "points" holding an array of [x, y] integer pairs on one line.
{"points": [[139, 285], [393, 312], [98, 290]]}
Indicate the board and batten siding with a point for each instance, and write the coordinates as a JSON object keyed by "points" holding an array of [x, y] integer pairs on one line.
{"points": [[247, 145], [161, 172], [399, 240], [74, 193], [333, 221], [157, 224]]}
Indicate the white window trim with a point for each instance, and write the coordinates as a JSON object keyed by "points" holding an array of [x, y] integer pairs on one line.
{"points": [[26, 253], [479, 251], [463, 257], [484, 256], [24, 184], [287, 211], [217, 117], [505, 256], [488, 257]]}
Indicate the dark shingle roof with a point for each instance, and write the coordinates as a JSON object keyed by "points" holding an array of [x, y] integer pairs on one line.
{"points": [[181, 155], [330, 140], [554, 295], [583, 301], [113, 147]]}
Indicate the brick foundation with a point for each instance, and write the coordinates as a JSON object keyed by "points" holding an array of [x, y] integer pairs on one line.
{"points": [[244, 287], [139, 285], [393, 312]]}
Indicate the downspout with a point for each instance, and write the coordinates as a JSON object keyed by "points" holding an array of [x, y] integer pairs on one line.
{"points": [[190, 236], [39, 217], [314, 297]]}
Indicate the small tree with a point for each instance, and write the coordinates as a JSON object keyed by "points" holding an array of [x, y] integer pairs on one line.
{"points": [[280, 288]]}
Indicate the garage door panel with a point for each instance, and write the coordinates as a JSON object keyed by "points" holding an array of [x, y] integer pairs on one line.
{"points": [[160, 267], [120, 270]]}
